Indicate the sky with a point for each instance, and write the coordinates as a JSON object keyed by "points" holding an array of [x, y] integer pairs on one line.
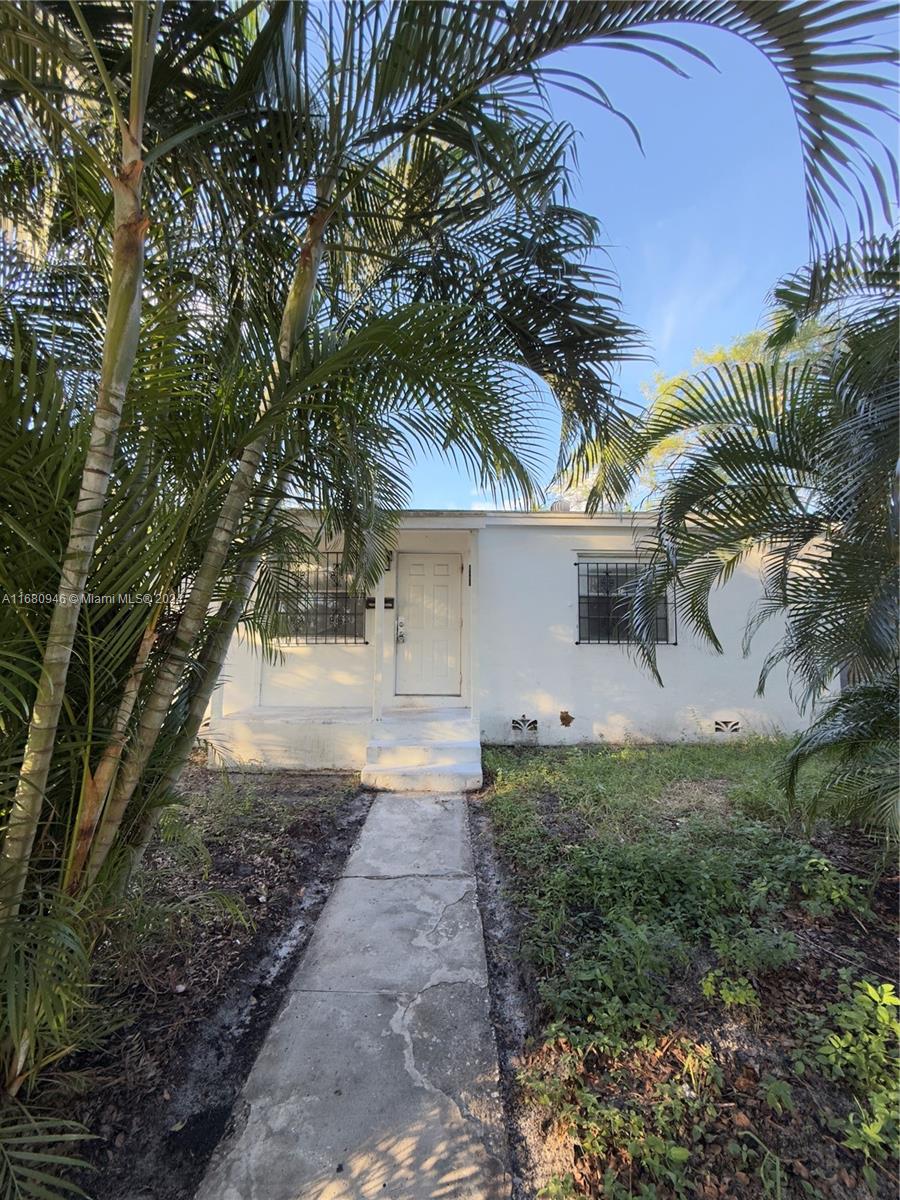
{"points": [[699, 227]]}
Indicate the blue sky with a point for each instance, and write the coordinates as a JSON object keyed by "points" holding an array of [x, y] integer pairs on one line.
{"points": [[700, 226]]}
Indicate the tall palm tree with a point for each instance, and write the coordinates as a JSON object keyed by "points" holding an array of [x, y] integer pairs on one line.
{"points": [[79, 88], [120, 343], [334, 101]]}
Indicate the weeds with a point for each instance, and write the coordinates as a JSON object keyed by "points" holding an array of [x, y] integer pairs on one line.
{"points": [[857, 1042], [658, 882]]}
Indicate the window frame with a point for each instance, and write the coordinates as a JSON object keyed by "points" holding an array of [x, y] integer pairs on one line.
{"points": [[630, 563], [325, 566]]}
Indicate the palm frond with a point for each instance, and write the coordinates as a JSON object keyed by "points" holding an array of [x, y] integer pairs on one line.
{"points": [[861, 727], [792, 461], [32, 1153]]}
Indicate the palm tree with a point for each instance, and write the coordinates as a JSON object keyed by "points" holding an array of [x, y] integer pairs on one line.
{"points": [[120, 343], [793, 457], [359, 131], [315, 112], [76, 113]]}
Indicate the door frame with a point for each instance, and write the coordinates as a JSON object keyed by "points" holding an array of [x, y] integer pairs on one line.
{"points": [[457, 554]]}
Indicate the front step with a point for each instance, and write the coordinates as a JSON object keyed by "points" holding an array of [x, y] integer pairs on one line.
{"points": [[425, 750], [426, 726], [411, 752], [461, 777]]}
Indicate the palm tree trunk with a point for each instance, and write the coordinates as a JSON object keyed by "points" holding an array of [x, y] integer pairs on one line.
{"points": [[98, 783], [119, 350], [294, 320], [210, 665]]}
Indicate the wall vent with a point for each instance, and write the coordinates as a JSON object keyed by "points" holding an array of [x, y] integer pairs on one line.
{"points": [[727, 726], [524, 730]]}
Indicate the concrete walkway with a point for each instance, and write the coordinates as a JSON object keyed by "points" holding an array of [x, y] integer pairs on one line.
{"points": [[379, 1077]]}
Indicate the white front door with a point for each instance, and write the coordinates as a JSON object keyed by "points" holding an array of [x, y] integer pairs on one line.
{"points": [[428, 624]]}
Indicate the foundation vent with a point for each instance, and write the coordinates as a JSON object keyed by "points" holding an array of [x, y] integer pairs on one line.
{"points": [[727, 726], [524, 729]]}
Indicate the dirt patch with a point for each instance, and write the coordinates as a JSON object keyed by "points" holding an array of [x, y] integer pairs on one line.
{"points": [[694, 797], [537, 1150], [565, 824], [205, 987]]}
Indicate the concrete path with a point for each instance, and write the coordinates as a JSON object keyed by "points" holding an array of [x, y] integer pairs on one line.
{"points": [[379, 1077]]}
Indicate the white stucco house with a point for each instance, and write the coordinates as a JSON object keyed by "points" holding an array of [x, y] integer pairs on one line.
{"points": [[498, 627]]}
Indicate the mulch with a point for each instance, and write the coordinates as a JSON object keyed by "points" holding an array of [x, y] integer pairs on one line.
{"points": [[202, 982]]}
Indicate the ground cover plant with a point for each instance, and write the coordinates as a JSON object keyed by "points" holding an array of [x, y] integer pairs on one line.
{"points": [[713, 1007]]}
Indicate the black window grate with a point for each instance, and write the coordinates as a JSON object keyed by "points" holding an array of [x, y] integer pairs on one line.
{"points": [[604, 604], [325, 607]]}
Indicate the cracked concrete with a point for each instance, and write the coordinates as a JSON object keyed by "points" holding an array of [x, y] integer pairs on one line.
{"points": [[436, 843], [379, 1078]]}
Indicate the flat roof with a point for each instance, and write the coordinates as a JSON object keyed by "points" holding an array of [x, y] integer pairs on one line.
{"points": [[500, 516], [477, 518]]}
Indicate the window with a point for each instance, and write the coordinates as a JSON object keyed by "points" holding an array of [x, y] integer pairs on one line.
{"points": [[325, 607], [604, 603]]}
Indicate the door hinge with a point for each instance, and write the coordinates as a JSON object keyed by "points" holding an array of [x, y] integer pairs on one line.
{"points": [[470, 574]]}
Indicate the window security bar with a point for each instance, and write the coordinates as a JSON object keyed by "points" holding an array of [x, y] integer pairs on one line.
{"points": [[605, 604]]}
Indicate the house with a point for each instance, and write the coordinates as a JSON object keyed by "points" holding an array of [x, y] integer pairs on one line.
{"points": [[496, 627]]}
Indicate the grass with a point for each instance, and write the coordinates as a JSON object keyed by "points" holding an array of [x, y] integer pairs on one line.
{"points": [[715, 1018]]}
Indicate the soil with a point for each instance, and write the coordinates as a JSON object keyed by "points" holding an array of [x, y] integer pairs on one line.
{"points": [[811, 1156], [202, 996], [536, 1154]]}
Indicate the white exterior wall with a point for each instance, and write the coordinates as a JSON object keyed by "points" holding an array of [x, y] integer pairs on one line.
{"points": [[329, 676], [530, 663], [335, 675], [519, 654]]}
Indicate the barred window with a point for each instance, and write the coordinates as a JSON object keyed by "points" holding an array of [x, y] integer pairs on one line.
{"points": [[604, 603], [325, 606]]}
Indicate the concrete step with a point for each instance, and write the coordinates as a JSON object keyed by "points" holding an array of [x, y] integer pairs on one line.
{"points": [[460, 777], [428, 726], [413, 752]]}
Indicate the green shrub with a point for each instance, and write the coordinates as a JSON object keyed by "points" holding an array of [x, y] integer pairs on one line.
{"points": [[857, 1042]]}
